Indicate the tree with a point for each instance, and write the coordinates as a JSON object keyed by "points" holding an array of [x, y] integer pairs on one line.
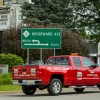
{"points": [[71, 42], [95, 38], [88, 13], [11, 42], [10, 60], [78, 15], [48, 11]]}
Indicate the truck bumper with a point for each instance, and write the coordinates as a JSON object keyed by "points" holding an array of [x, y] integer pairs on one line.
{"points": [[27, 82]]}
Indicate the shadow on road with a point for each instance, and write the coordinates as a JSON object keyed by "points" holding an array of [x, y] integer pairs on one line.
{"points": [[46, 94], [75, 93]]}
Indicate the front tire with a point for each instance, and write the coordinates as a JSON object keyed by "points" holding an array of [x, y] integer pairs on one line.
{"points": [[28, 90], [55, 87], [98, 86], [79, 90]]}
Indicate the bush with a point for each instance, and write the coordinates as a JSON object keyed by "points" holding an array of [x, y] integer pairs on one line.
{"points": [[5, 79], [71, 42], [10, 60]]}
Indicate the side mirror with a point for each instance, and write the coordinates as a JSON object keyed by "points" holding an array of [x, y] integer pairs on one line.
{"points": [[94, 66]]}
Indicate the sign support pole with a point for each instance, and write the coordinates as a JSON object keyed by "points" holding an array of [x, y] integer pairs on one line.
{"points": [[54, 52], [28, 56], [40, 55]]}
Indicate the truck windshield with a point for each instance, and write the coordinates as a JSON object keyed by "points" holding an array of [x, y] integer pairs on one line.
{"points": [[58, 61]]}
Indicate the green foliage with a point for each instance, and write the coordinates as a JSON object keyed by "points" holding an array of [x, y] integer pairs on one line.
{"points": [[11, 42], [10, 59], [5, 79], [47, 11], [71, 42], [12, 88], [77, 15], [95, 38]]}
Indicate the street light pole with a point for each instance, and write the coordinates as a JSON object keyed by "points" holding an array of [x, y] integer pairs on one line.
{"points": [[41, 55]]}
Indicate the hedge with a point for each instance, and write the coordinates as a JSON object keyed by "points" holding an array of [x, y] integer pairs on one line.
{"points": [[5, 79], [11, 60]]}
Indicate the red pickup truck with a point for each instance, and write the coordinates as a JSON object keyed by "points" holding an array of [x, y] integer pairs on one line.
{"points": [[77, 72]]}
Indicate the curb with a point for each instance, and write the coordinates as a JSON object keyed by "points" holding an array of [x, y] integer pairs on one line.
{"points": [[3, 92]]}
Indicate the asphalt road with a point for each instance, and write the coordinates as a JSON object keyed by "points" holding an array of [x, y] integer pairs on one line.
{"points": [[67, 94]]}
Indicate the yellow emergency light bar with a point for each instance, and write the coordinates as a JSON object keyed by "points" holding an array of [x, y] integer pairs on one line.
{"points": [[74, 54]]}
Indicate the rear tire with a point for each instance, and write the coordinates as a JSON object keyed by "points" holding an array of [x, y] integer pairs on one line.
{"points": [[55, 87], [28, 90], [79, 90]]}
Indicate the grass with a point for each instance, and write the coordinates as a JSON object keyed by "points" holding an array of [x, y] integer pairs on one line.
{"points": [[6, 83], [10, 88]]}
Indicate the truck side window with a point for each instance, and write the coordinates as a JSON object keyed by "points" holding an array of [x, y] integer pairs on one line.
{"points": [[77, 61], [66, 61], [51, 61], [87, 62], [58, 61], [62, 61]]}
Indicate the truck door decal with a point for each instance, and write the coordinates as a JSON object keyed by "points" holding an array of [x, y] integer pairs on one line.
{"points": [[93, 75], [58, 68], [79, 75]]}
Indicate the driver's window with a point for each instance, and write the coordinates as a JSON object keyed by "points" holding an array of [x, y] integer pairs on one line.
{"points": [[87, 62]]}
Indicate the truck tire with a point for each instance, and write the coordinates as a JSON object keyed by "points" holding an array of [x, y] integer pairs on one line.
{"points": [[55, 87], [79, 90], [28, 90], [98, 86]]}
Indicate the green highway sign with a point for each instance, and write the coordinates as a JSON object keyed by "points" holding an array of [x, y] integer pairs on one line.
{"points": [[46, 38]]}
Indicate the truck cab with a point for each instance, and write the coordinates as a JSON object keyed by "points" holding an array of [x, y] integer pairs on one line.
{"points": [[74, 71]]}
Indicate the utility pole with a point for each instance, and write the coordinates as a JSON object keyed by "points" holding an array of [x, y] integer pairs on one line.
{"points": [[99, 53]]}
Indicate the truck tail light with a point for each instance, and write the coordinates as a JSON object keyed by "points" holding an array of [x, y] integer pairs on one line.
{"points": [[33, 71], [16, 72]]}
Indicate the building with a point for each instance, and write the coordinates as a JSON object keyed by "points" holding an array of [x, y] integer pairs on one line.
{"points": [[3, 69], [10, 15]]}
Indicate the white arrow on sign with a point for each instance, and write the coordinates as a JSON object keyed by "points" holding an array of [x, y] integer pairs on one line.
{"points": [[38, 44], [36, 41]]}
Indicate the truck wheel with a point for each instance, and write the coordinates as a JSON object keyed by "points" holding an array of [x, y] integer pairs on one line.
{"points": [[98, 86], [55, 87], [79, 90], [28, 90]]}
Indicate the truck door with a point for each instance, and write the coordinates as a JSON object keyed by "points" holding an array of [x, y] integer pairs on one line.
{"points": [[91, 75], [77, 71]]}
